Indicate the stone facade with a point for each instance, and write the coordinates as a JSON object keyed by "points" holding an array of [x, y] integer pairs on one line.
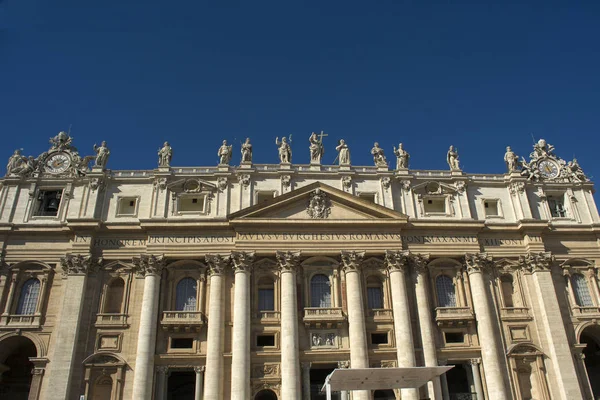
{"points": [[254, 282]]}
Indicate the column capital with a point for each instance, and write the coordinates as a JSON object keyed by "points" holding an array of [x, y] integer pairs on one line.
{"points": [[475, 361], [397, 260], [199, 369], [344, 364], [476, 262], [79, 264], [217, 263], [534, 262], [242, 260], [149, 264], [352, 260], [288, 260]]}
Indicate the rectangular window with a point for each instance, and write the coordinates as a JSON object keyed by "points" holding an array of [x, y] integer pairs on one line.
{"points": [[266, 299], [48, 202], [127, 206], [374, 297], [263, 196], [265, 340], [192, 204], [379, 338], [182, 343], [454, 337], [557, 206], [435, 205], [491, 208], [367, 196]]}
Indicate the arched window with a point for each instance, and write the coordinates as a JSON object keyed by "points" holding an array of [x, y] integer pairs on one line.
{"points": [[581, 291], [445, 291], [374, 293], [320, 291], [506, 283], [29, 297], [186, 292], [114, 296], [266, 295]]}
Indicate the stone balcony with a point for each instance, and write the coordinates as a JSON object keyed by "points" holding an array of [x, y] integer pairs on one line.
{"points": [[514, 314], [454, 316], [183, 321], [110, 320], [13, 321], [381, 314], [318, 317], [266, 317], [592, 312]]}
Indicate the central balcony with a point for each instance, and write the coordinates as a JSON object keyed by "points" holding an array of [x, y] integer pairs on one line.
{"points": [[110, 320], [182, 321], [514, 313], [328, 317], [14, 321], [592, 312], [454, 316]]}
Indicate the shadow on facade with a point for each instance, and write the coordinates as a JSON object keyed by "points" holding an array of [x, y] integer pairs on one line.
{"points": [[15, 367]]}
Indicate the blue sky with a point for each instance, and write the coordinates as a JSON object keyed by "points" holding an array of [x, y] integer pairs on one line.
{"points": [[479, 75]]}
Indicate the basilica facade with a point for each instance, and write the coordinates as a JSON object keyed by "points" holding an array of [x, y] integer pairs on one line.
{"points": [[256, 281]]}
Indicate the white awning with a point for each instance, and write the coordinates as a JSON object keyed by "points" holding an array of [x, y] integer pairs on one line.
{"points": [[381, 378]]}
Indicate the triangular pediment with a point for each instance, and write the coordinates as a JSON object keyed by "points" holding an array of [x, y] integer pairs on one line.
{"points": [[340, 206]]}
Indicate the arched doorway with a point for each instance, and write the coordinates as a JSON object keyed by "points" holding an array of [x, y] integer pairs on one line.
{"points": [[15, 367], [591, 338], [265, 394]]}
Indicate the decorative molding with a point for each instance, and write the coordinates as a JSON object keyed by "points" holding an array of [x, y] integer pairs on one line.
{"points": [[319, 205], [476, 262], [386, 182], [352, 260], [288, 260], [396, 260], [516, 187], [534, 262], [79, 264], [244, 179], [217, 263], [242, 260], [286, 181]]}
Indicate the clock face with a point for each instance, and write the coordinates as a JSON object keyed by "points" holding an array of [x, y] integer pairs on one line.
{"points": [[548, 169], [57, 163]]}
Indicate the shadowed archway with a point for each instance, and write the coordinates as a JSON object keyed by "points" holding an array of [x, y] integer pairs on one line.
{"points": [[15, 367]]}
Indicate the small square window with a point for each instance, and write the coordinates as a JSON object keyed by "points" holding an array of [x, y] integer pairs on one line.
{"points": [[435, 205], [263, 196], [182, 343], [265, 340], [491, 208], [454, 337], [127, 206], [191, 204], [367, 196], [379, 338], [48, 203]]}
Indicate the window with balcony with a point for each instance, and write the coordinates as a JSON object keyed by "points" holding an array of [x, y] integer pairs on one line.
{"points": [[374, 293], [186, 295], [581, 291], [446, 292], [114, 296], [320, 291], [28, 298]]}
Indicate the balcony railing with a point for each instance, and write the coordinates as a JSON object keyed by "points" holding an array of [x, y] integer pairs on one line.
{"points": [[381, 314], [13, 321], [266, 316], [508, 313], [327, 316], [581, 311], [182, 320], [110, 320], [454, 315]]}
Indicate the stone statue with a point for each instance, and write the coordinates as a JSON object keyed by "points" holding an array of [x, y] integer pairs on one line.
{"points": [[541, 149], [452, 159], [16, 163], [165, 155], [61, 141], [285, 150], [343, 153], [224, 153], [316, 148], [576, 171], [102, 153], [511, 160], [246, 151], [378, 156], [402, 157]]}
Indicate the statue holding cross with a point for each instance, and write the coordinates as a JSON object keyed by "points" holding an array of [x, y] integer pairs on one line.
{"points": [[316, 147]]}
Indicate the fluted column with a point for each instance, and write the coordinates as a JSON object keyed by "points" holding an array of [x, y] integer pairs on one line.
{"points": [[490, 342], [290, 363], [359, 356], [553, 328], [75, 269], [240, 361], [397, 264], [426, 327], [213, 385], [150, 268]]}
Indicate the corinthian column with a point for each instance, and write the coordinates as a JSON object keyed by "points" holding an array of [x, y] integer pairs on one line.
{"points": [[213, 385], [490, 342], [75, 269], [359, 356], [397, 264], [290, 362], [548, 313], [150, 268], [240, 361], [426, 326]]}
